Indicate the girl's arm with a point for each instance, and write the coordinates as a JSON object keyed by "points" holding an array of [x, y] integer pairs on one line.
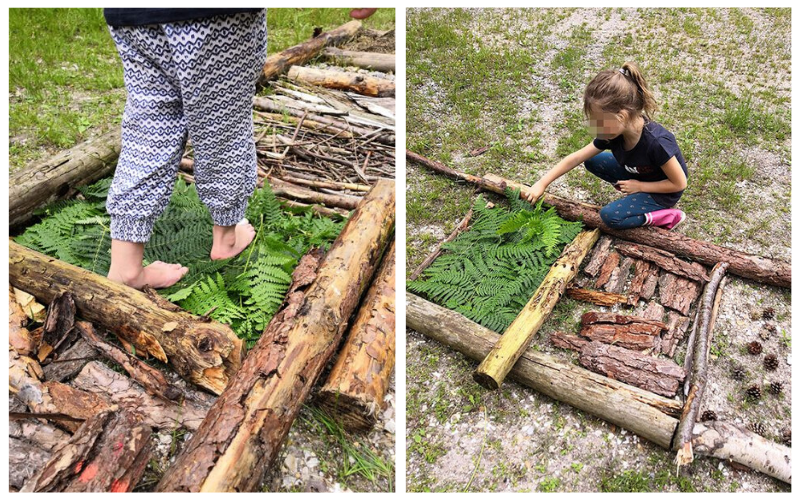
{"points": [[675, 181], [568, 163]]}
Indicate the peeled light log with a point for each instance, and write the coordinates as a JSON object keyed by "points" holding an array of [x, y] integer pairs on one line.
{"points": [[97, 378], [299, 193], [343, 80], [691, 407], [18, 336], [206, 354], [518, 335], [56, 178], [359, 380], [663, 259], [108, 453], [641, 412], [370, 60], [596, 297], [153, 381], [242, 434], [299, 54], [338, 186]]}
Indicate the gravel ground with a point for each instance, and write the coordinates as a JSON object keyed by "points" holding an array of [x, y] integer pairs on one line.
{"points": [[462, 438]]}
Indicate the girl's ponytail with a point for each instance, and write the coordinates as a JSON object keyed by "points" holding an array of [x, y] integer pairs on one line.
{"points": [[620, 89], [632, 71]]}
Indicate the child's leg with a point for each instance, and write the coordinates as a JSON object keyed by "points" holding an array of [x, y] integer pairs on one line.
{"points": [[217, 75], [628, 212], [153, 139], [605, 166]]}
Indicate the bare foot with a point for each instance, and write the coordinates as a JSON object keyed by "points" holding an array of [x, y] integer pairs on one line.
{"points": [[157, 275], [229, 241]]}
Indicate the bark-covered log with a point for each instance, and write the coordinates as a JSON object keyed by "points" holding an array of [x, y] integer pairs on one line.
{"points": [[677, 293], [19, 337], [343, 80], [518, 335], [108, 453], [691, 407], [97, 378], [56, 178], [240, 438], [371, 60], [299, 54], [762, 269], [611, 263], [596, 297], [206, 354], [599, 256], [360, 378], [663, 259], [288, 190], [460, 227]]}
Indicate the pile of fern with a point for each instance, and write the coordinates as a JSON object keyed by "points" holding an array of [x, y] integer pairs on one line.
{"points": [[244, 292], [490, 272]]}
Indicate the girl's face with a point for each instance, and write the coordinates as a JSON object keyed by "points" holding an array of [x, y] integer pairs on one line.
{"points": [[605, 125]]}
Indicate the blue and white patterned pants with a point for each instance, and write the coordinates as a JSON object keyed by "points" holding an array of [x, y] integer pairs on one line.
{"points": [[626, 212], [194, 78]]}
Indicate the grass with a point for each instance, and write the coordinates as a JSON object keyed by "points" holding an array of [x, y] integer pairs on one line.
{"points": [[65, 76]]}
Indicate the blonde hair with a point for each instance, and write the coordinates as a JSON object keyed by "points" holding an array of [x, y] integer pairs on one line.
{"points": [[614, 90]]}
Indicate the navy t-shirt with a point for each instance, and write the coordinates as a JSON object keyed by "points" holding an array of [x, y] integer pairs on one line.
{"points": [[141, 17], [656, 146]]}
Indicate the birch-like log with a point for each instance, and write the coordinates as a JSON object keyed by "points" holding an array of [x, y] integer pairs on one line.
{"points": [[370, 60], [343, 80]]}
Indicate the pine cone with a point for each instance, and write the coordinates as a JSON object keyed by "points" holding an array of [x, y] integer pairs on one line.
{"points": [[769, 313], [708, 415], [758, 428], [764, 334], [776, 388], [739, 373], [786, 436], [771, 328], [771, 362], [754, 347], [754, 393]]}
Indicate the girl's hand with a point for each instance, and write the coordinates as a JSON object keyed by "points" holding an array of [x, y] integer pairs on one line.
{"points": [[630, 187], [533, 193]]}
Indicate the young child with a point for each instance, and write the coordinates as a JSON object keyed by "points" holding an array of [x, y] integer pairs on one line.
{"points": [[188, 72], [644, 161]]}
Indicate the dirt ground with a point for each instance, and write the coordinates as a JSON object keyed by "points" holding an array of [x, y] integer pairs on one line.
{"points": [[462, 438]]}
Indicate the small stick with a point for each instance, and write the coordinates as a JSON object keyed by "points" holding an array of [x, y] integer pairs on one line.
{"points": [[461, 226]]}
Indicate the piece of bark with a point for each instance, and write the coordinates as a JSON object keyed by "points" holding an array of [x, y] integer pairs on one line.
{"points": [[205, 353], [153, 381], [360, 378], [611, 263], [371, 60], [691, 407], [650, 284], [343, 80], [515, 340], [660, 376], [677, 293], [43, 435], [642, 270], [619, 276], [460, 227], [568, 341], [636, 336], [665, 260], [62, 369], [56, 177], [107, 454], [595, 317], [243, 432], [33, 309], [19, 337], [654, 311], [677, 324], [58, 325], [299, 54], [599, 256], [596, 297], [97, 378], [24, 460]]}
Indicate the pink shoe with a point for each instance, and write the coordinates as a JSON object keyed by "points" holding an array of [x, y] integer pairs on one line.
{"points": [[668, 218]]}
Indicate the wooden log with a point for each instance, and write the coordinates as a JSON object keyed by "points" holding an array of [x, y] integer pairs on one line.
{"points": [[642, 270], [727, 441], [240, 438], [691, 408], [56, 178], [96, 378], [19, 337], [611, 263], [641, 412], [360, 378], [661, 376], [616, 283], [108, 453], [62, 368], [343, 80], [279, 63], [678, 293], [677, 324], [206, 354], [663, 259], [336, 213], [460, 227], [596, 297], [370, 60], [299, 193], [339, 186], [153, 381], [515, 340], [599, 256]]}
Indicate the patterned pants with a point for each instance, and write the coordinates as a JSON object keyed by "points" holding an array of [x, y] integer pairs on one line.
{"points": [[194, 78], [626, 212]]}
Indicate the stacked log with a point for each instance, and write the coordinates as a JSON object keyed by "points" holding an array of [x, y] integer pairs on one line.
{"points": [[343, 80]]}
